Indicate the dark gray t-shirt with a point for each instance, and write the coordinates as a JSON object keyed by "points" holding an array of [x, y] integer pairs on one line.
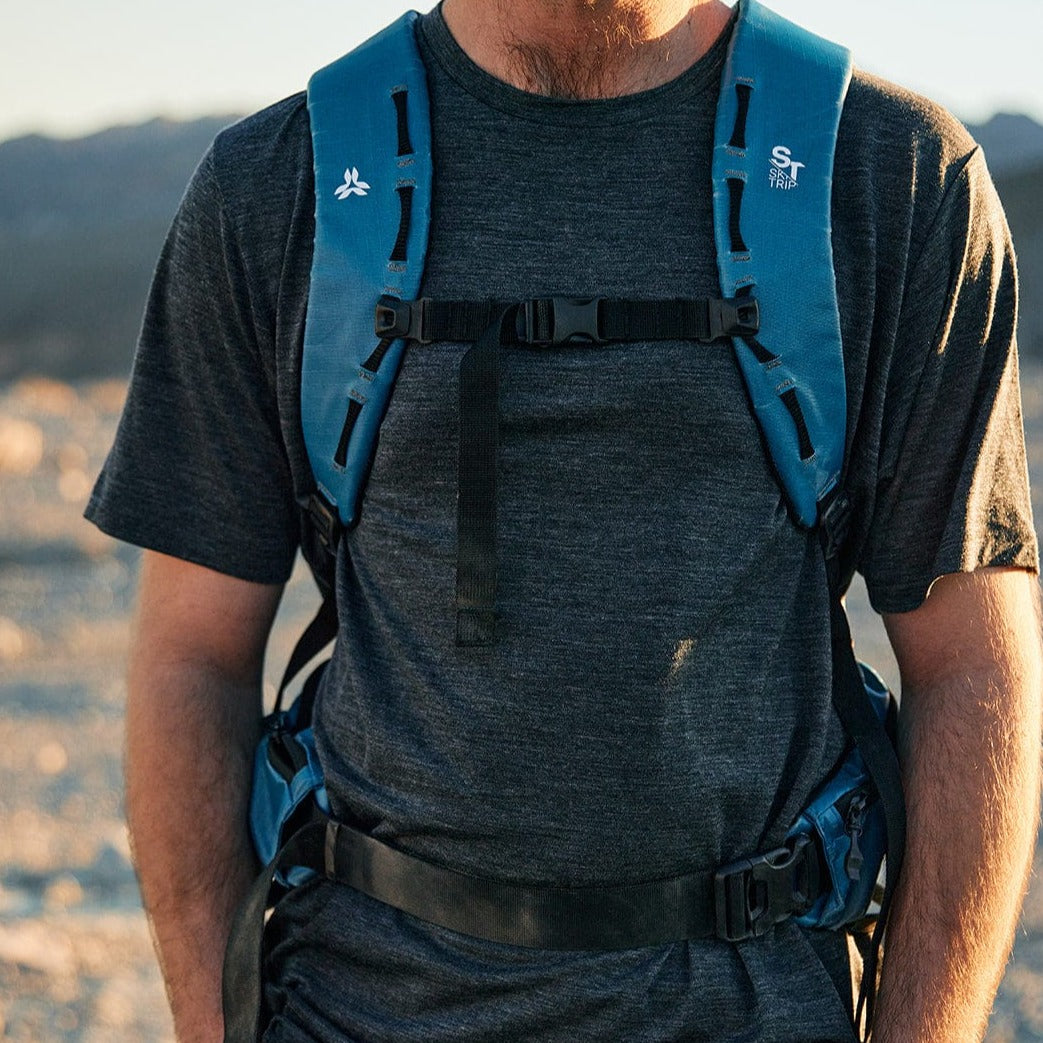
{"points": [[659, 697]]}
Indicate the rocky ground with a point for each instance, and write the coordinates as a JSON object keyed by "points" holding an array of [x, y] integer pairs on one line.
{"points": [[75, 959]]}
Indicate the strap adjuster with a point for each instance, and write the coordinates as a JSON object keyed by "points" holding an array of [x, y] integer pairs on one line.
{"points": [[733, 317], [754, 894], [547, 321], [395, 318]]}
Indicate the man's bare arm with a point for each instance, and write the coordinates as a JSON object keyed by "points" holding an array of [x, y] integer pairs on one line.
{"points": [[970, 751], [193, 718]]}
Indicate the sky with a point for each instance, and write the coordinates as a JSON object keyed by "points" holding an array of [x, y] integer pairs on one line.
{"points": [[69, 67]]}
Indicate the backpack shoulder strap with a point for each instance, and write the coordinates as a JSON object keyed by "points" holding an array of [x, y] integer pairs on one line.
{"points": [[781, 97], [371, 137], [782, 94]]}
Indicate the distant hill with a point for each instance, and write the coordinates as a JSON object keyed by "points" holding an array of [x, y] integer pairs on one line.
{"points": [[1012, 143], [82, 222], [1022, 195], [81, 225], [129, 173]]}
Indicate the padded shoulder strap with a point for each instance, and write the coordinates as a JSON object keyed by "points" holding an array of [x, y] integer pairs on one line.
{"points": [[371, 135], [781, 98]]}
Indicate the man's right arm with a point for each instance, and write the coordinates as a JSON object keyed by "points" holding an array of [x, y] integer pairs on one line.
{"points": [[193, 719]]}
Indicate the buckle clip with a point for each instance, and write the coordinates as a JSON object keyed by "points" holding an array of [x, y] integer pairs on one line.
{"points": [[548, 321], [734, 317], [326, 522], [395, 318], [754, 894]]}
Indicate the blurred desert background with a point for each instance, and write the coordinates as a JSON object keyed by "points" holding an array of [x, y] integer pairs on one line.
{"points": [[81, 222]]}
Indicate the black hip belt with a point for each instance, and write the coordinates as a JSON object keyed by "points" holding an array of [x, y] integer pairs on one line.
{"points": [[734, 902]]}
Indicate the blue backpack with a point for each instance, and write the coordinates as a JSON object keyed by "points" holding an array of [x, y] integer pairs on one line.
{"points": [[779, 110]]}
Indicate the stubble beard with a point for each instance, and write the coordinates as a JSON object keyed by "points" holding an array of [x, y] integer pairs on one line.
{"points": [[601, 58]]}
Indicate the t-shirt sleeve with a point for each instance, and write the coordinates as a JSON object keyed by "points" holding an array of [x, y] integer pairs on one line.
{"points": [[199, 468], [952, 493]]}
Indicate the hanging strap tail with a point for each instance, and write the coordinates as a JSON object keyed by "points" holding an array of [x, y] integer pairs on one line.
{"points": [[540, 323], [870, 735], [242, 977], [476, 559]]}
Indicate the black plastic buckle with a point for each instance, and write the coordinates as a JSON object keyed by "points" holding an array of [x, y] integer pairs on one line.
{"points": [[395, 318], [285, 754], [569, 319], [754, 894], [325, 521], [734, 317]]}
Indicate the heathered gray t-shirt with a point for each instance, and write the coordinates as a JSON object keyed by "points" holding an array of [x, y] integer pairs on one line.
{"points": [[658, 700]]}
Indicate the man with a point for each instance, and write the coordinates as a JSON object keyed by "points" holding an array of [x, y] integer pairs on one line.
{"points": [[659, 695]]}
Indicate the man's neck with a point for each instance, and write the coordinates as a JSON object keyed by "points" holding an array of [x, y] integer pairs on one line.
{"points": [[585, 48]]}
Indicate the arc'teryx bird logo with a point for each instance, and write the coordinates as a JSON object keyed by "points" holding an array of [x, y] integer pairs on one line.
{"points": [[784, 168], [352, 186]]}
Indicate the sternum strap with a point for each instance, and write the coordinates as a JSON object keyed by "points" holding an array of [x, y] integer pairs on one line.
{"points": [[543, 322], [552, 321]]}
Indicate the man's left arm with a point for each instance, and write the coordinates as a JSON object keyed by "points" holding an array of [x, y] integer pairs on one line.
{"points": [[969, 744]]}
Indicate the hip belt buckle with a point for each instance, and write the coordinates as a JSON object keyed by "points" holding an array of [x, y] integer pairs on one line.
{"points": [[754, 894]]}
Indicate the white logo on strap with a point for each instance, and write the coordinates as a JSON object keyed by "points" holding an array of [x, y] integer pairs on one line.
{"points": [[352, 186], [784, 168]]}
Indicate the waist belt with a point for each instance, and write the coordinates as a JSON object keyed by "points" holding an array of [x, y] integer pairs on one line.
{"points": [[737, 901], [741, 900]]}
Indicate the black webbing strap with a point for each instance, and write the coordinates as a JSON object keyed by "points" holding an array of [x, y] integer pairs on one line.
{"points": [[476, 504], [425, 320], [542, 917], [554, 321], [760, 352], [340, 456], [242, 975], [317, 635], [702, 320], [743, 900], [376, 359], [539, 322], [865, 729], [320, 532]]}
